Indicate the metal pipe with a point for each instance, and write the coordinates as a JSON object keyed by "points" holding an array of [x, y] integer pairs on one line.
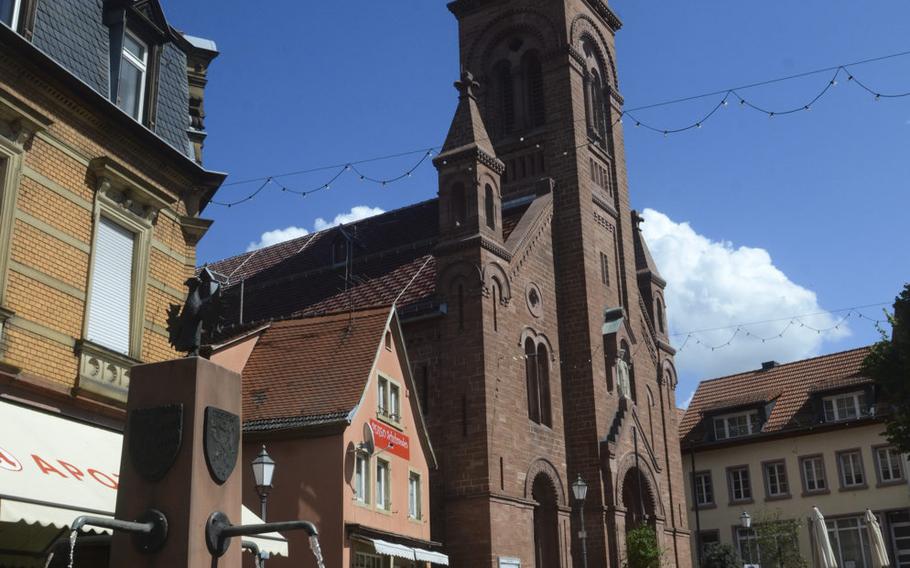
{"points": [[249, 530], [113, 524], [252, 547], [149, 530]]}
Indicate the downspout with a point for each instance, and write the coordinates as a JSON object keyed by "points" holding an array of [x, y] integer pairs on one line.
{"points": [[697, 516], [663, 423]]}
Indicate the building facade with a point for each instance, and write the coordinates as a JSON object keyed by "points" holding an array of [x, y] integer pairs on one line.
{"points": [[332, 400], [533, 312], [101, 191], [776, 442]]}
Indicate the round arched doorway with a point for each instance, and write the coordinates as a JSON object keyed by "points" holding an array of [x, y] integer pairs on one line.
{"points": [[637, 499], [546, 523]]}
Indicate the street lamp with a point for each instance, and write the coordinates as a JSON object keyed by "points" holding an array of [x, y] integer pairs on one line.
{"points": [[745, 521], [263, 471], [580, 491]]}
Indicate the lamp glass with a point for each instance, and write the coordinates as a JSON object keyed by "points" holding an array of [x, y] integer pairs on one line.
{"points": [[263, 469], [580, 489], [745, 520]]}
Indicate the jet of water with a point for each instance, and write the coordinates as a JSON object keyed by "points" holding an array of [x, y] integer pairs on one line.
{"points": [[317, 551], [73, 535]]}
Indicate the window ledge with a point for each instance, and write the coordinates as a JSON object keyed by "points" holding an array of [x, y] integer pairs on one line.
{"points": [[891, 483], [706, 507], [815, 493], [854, 488], [387, 420], [740, 502], [102, 372], [783, 497]]}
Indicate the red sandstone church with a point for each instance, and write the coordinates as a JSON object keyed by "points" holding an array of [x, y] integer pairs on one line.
{"points": [[532, 311]]}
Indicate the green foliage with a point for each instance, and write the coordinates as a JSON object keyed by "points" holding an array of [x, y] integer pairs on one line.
{"points": [[888, 365], [642, 550], [778, 541], [717, 555]]}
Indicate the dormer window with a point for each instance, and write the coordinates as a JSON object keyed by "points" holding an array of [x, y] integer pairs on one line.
{"points": [[736, 425], [9, 12], [133, 69], [845, 406]]}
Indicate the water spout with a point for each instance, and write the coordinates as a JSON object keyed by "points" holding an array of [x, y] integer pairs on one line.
{"points": [[149, 530], [254, 550], [219, 531], [73, 534], [317, 550]]}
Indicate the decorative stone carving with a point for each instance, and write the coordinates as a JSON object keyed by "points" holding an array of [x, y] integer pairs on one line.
{"points": [[534, 299], [103, 372]]}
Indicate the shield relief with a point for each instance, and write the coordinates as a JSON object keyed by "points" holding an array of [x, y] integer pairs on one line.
{"points": [[155, 437], [221, 442]]}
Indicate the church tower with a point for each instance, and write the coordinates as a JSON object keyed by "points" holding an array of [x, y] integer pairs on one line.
{"points": [[579, 319]]}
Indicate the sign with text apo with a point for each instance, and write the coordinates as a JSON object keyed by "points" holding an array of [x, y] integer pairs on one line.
{"points": [[390, 440]]}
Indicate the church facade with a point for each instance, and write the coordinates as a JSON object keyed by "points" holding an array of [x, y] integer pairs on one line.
{"points": [[532, 310]]}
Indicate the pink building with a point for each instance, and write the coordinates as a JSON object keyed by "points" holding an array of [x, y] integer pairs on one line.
{"points": [[333, 400]]}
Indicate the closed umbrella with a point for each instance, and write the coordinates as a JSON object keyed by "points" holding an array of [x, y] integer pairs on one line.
{"points": [[826, 558], [876, 542]]}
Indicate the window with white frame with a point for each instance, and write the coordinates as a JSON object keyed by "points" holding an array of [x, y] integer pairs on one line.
{"points": [[110, 297], [846, 406], [736, 425], [851, 469], [776, 479], [850, 542], [414, 495], [133, 68], [367, 560], [389, 399], [747, 545], [9, 12], [704, 488], [740, 484], [362, 478], [813, 469], [383, 489], [888, 461]]}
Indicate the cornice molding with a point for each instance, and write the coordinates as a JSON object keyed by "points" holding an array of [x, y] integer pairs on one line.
{"points": [[609, 16]]}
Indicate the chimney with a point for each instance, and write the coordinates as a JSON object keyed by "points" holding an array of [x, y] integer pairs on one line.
{"points": [[768, 365]]}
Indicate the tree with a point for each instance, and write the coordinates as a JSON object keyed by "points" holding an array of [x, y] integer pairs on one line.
{"points": [[642, 550], [717, 555], [888, 365], [778, 541]]}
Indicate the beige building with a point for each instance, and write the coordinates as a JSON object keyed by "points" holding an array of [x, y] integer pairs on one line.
{"points": [[782, 439]]}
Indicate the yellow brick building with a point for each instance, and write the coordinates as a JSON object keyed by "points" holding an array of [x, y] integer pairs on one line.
{"points": [[101, 190]]}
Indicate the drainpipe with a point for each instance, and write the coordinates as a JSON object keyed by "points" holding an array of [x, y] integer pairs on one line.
{"points": [[697, 516]]}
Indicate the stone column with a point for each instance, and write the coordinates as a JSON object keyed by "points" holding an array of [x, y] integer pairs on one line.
{"points": [[181, 456]]}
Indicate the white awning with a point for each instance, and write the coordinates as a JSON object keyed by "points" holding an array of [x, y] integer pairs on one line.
{"points": [[53, 470], [407, 552]]}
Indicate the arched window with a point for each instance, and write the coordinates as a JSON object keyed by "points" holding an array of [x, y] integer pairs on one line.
{"points": [[460, 293], [650, 413], [533, 382], [505, 96], [489, 206], [533, 87], [459, 205], [608, 365], [659, 311], [597, 109], [543, 380], [495, 295]]}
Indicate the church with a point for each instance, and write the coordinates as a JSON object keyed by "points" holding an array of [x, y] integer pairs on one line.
{"points": [[533, 313]]}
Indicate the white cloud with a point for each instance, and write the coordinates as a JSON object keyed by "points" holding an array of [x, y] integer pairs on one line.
{"points": [[356, 213], [270, 238], [712, 284]]}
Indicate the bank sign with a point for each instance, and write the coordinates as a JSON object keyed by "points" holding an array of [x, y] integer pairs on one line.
{"points": [[388, 439]]}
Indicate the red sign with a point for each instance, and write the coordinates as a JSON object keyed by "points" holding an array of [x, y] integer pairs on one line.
{"points": [[390, 440]]}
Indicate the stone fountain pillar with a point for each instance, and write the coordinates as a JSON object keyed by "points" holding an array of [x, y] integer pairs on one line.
{"points": [[181, 451]]}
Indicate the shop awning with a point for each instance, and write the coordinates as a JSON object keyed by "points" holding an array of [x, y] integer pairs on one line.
{"points": [[53, 470], [401, 551]]}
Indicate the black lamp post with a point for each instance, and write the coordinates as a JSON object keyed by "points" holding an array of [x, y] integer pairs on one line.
{"points": [[263, 471], [580, 491], [745, 521]]}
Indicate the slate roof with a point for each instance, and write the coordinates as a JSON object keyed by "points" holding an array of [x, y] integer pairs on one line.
{"points": [[789, 386], [393, 253], [310, 371]]}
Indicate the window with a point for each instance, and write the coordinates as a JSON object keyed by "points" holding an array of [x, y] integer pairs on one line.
{"points": [[660, 315], [131, 84], [388, 340], [367, 560], [362, 478], [110, 298], [489, 206], [459, 205], [533, 75], [389, 400], [736, 425], [850, 542], [340, 250], [9, 12], [505, 91], [707, 538], [844, 406], [813, 470], [850, 464], [888, 461], [537, 373], [776, 484], [414, 495], [604, 269], [740, 485], [704, 488], [747, 545], [383, 490]]}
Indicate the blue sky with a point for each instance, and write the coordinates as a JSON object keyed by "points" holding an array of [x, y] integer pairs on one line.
{"points": [[785, 215]]}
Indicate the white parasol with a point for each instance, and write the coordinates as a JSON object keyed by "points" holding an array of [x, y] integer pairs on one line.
{"points": [[876, 542], [823, 548]]}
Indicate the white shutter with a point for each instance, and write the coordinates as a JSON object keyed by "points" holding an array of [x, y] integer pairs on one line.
{"points": [[110, 298]]}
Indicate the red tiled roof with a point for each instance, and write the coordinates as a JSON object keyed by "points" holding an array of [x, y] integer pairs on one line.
{"points": [[311, 370], [794, 382]]}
